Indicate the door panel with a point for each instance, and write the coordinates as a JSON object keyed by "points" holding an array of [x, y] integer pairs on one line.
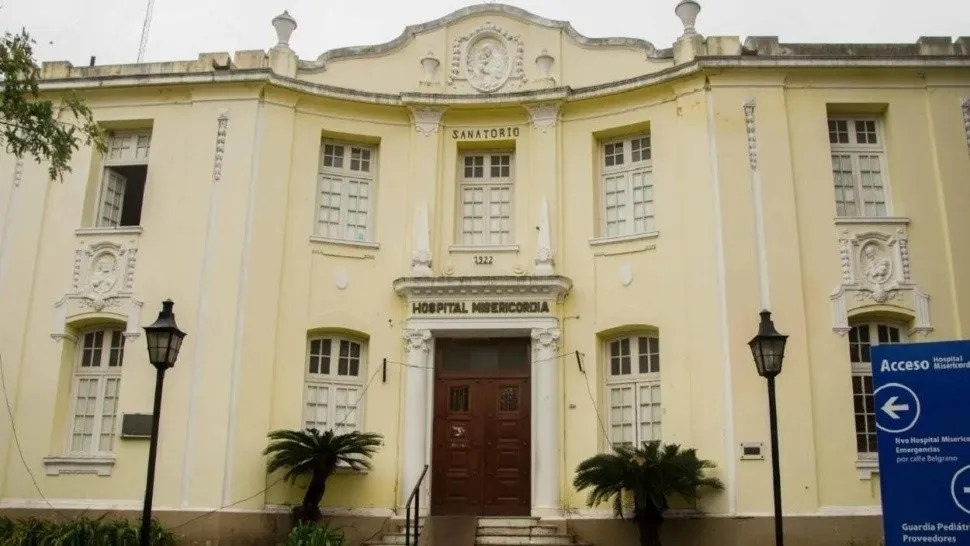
{"points": [[481, 435]]}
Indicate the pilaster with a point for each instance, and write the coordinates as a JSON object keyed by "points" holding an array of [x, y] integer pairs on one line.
{"points": [[547, 500]]}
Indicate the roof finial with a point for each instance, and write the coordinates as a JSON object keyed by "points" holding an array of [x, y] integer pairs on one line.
{"points": [[284, 24], [687, 11]]}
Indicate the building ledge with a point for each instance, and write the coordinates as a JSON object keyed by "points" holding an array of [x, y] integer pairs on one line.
{"points": [[880, 220], [102, 465], [867, 467], [102, 231], [483, 249], [344, 242], [600, 241]]}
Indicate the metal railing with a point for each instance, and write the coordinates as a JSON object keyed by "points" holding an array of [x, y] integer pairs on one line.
{"points": [[414, 497]]}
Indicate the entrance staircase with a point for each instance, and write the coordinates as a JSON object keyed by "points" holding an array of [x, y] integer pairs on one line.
{"points": [[520, 531]]}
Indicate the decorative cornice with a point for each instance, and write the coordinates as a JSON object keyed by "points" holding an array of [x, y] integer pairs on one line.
{"points": [[471, 11], [426, 119], [220, 145], [965, 105], [544, 115], [752, 138], [18, 172], [556, 286]]}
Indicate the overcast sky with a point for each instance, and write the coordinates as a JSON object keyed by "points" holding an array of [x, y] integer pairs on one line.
{"points": [[74, 30]]}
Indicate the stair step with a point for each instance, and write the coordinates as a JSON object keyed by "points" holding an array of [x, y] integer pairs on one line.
{"points": [[507, 522], [535, 530], [390, 538], [523, 540]]}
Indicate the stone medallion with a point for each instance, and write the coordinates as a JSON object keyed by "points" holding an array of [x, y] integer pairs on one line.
{"points": [[487, 62]]}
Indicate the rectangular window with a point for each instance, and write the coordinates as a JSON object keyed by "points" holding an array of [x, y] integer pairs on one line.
{"points": [[633, 390], [858, 160], [862, 338], [345, 191], [627, 187], [334, 384], [123, 180], [485, 191], [96, 387]]}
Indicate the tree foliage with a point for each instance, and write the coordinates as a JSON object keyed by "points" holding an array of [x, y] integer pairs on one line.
{"points": [[310, 452], [36, 127], [650, 475]]}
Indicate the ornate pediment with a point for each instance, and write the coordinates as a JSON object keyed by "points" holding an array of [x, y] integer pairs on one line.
{"points": [[875, 270], [101, 283]]}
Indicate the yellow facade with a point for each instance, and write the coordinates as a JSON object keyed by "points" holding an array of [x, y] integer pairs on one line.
{"points": [[741, 176]]}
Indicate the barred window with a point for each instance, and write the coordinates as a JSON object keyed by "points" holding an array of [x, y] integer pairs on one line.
{"points": [[858, 161], [485, 192], [862, 338], [95, 390], [627, 187], [334, 384], [633, 389]]}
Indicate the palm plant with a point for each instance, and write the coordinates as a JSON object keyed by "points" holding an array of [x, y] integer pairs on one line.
{"points": [[308, 451], [650, 474]]}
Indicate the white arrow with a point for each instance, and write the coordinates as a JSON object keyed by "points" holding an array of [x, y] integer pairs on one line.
{"points": [[891, 407]]}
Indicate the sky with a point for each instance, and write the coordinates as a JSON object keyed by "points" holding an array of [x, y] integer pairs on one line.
{"points": [[74, 30]]}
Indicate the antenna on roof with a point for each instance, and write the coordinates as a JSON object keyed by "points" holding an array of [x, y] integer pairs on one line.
{"points": [[144, 30]]}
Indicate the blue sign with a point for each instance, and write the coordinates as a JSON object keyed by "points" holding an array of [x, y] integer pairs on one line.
{"points": [[922, 405]]}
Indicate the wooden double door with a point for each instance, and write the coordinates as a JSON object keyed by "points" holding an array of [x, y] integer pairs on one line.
{"points": [[482, 428]]}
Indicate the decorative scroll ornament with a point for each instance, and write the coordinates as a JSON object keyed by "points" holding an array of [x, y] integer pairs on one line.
{"points": [[421, 257], [18, 172], [487, 58], [966, 120], [427, 120], [752, 139], [101, 281], [876, 271], [220, 145], [544, 261]]}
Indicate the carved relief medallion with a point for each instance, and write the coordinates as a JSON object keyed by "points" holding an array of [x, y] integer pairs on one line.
{"points": [[104, 273], [487, 62]]}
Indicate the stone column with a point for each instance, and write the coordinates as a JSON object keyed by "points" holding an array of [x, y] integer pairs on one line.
{"points": [[415, 408], [547, 501]]}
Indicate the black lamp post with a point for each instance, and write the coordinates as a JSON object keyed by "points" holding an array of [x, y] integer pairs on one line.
{"points": [[768, 349], [164, 340]]}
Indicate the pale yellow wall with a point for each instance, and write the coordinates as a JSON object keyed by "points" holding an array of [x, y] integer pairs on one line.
{"points": [[249, 282]]}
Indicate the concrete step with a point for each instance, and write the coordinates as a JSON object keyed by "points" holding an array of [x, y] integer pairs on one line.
{"points": [[535, 530], [390, 538], [512, 540], [507, 522]]}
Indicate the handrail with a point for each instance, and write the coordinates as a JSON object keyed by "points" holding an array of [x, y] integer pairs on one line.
{"points": [[414, 496]]}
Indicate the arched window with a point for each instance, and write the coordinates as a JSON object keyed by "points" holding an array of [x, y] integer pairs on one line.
{"points": [[862, 337], [633, 388], [334, 383], [95, 389]]}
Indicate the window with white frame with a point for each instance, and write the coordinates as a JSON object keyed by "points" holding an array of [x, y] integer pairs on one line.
{"points": [[633, 389], [626, 182], [345, 191], [95, 390], [858, 167], [334, 384], [123, 180], [862, 337], [486, 198]]}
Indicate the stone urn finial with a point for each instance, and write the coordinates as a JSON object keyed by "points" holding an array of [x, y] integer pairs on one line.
{"points": [[687, 11], [284, 24], [429, 65], [544, 64]]}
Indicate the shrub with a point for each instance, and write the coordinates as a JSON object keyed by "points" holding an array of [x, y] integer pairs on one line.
{"points": [[310, 534], [81, 531]]}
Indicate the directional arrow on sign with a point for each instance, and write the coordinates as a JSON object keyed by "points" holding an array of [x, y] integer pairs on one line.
{"points": [[891, 407]]}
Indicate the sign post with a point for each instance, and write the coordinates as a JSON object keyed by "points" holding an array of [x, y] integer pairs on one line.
{"points": [[921, 399]]}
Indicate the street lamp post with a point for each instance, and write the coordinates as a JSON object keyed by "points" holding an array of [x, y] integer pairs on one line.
{"points": [[768, 349], [164, 340]]}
